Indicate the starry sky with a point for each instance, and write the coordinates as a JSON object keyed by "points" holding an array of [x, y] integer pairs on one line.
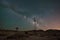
{"points": [[20, 13]]}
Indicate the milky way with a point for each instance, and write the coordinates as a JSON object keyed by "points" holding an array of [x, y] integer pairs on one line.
{"points": [[20, 13]]}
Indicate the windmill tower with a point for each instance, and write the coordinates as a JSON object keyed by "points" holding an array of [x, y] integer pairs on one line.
{"points": [[34, 20], [17, 28]]}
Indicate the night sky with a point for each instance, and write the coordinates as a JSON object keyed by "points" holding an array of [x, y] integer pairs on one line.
{"points": [[20, 13]]}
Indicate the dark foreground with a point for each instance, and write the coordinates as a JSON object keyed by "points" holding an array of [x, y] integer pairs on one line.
{"points": [[30, 35]]}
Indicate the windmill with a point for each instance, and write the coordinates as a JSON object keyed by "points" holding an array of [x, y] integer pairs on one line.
{"points": [[39, 22], [35, 21]]}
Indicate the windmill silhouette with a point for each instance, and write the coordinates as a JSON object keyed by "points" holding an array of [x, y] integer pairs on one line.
{"points": [[38, 22], [34, 20]]}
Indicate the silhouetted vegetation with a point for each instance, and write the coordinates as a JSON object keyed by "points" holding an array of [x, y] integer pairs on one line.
{"points": [[30, 35]]}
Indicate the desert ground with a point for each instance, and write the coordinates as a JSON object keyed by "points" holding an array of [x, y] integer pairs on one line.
{"points": [[30, 35]]}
